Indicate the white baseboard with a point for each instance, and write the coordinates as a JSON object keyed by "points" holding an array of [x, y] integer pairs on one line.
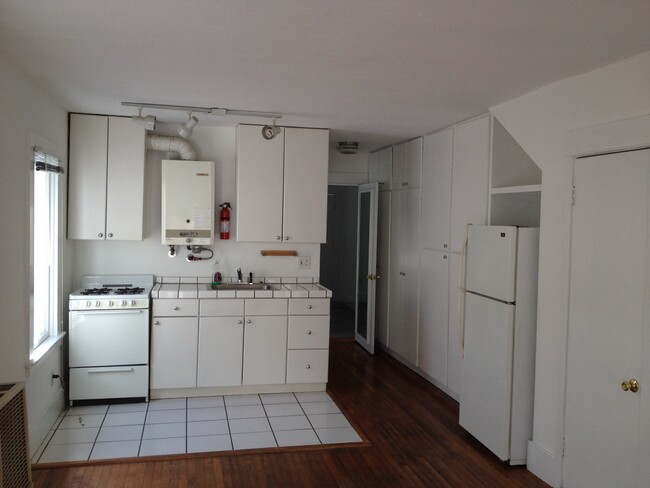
{"points": [[544, 465]]}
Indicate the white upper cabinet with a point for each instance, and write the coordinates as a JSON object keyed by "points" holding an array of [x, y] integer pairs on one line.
{"points": [[282, 185], [106, 180], [306, 160], [437, 161], [469, 182], [407, 165], [380, 168]]}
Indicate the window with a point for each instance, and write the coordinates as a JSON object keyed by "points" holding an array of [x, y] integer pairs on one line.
{"points": [[45, 248]]}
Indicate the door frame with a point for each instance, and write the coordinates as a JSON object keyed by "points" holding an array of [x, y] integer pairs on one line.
{"points": [[615, 136]]}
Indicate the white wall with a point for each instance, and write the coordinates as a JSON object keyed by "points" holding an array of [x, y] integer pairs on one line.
{"points": [[539, 122], [347, 169], [150, 256], [25, 111]]}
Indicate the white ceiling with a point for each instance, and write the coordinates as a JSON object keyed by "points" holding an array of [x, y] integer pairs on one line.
{"points": [[376, 71]]}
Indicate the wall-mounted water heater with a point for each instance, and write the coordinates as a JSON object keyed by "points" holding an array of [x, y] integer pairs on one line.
{"points": [[187, 202]]}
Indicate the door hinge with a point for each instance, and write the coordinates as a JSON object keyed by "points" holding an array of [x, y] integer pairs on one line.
{"points": [[573, 195]]}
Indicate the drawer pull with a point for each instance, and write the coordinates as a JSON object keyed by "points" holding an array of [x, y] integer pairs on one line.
{"points": [[248, 321], [309, 332], [240, 322], [176, 307], [309, 307], [156, 322], [112, 370], [308, 366]]}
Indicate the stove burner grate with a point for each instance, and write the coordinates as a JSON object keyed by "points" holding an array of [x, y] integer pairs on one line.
{"points": [[96, 291]]}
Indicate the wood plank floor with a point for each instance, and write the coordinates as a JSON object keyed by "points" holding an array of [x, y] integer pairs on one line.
{"points": [[411, 425]]}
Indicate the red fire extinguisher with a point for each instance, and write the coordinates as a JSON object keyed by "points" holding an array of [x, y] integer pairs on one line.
{"points": [[224, 220]]}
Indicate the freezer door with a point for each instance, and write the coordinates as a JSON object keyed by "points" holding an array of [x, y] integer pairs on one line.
{"points": [[491, 261], [486, 373]]}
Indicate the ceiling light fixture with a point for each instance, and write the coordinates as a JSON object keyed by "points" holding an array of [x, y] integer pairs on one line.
{"points": [[185, 130], [270, 131], [148, 121], [348, 147], [204, 110]]}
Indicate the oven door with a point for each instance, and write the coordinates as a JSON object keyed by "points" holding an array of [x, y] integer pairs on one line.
{"points": [[108, 337]]}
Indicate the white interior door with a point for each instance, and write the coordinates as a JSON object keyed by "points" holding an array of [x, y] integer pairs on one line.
{"points": [[364, 325], [606, 428]]}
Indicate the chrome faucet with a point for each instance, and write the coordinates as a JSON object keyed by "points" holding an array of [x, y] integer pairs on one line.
{"points": [[239, 278]]}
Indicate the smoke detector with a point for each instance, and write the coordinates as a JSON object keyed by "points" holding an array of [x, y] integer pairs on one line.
{"points": [[348, 147]]}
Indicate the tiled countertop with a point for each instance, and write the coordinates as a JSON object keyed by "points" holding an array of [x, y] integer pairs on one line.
{"points": [[170, 287]]}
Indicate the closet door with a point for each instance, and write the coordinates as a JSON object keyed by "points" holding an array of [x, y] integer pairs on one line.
{"points": [[607, 432]]}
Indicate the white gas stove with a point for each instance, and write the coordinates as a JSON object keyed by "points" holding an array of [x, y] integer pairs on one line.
{"points": [[103, 292], [109, 338]]}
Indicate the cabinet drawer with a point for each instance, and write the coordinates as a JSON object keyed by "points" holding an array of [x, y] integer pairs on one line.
{"points": [[109, 382], [309, 306], [311, 332], [307, 366], [266, 306], [222, 307], [174, 307]]}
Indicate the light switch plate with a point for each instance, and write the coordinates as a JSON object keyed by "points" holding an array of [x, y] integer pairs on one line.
{"points": [[304, 262]]}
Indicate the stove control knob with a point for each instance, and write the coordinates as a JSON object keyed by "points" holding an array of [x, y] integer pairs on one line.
{"points": [[124, 303], [97, 303], [89, 304], [110, 303], [133, 303]]}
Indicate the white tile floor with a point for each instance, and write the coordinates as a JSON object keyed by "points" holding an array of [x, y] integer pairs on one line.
{"points": [[187, 425]]}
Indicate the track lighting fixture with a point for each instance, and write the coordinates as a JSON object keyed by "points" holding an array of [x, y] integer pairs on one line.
{"points": [[185, 130], [204, 110], [270, 131], [148, 121]]}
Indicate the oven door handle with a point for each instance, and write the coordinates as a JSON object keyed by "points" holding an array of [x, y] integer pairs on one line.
{"points": [[110, 370], [104, 312]]}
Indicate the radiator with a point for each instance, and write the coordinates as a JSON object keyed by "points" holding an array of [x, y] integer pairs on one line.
{"points": [[15, 470]]}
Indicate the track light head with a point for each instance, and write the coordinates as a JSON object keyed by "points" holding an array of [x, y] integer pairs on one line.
{"points": [[148, 121], [185, 130]]}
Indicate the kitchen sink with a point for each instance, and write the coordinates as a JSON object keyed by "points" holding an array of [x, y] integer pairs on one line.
{"points": [[242, 286]]}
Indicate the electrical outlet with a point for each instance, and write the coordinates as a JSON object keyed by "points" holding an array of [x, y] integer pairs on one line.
{"points": [[304, 262]]}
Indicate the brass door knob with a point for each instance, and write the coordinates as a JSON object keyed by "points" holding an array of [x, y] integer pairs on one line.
{"points": [[631, 385]]}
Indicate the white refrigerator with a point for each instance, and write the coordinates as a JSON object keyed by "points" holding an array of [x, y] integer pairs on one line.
{"points": [[498, 365]]}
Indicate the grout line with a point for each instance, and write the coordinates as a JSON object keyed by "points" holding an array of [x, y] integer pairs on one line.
{"points": [[269, 422], [308, 420]]}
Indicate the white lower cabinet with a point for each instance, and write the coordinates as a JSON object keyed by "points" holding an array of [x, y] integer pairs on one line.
{"points": [[308, 343], [239, 342], [307, 366], [221, 348], [174, 352], [265, 350]]}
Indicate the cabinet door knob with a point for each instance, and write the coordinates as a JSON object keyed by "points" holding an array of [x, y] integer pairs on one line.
{"points": [[176, 307], [444, 256], [100, 235], [110, 235], [248, 321], [309, 332], [309, 307], [156, 322], [445, 246], [240, 322], [279, 238], [286, 238], [308, 366]]}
